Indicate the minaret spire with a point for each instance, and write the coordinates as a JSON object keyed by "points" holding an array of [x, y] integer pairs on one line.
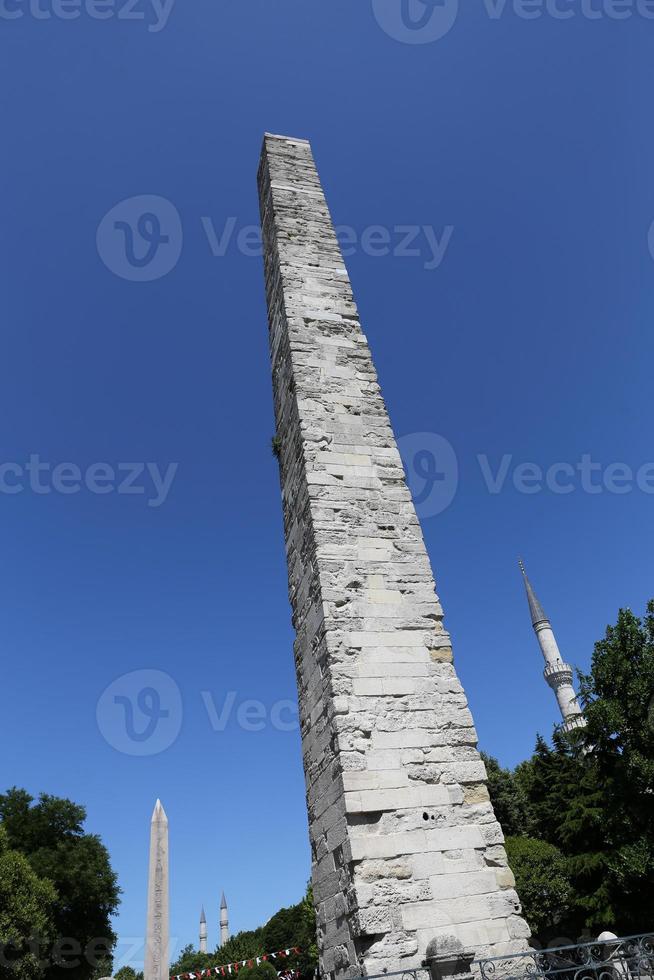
{"points": [[224, 921], [203, 931], [557, 673], [535, 608]]}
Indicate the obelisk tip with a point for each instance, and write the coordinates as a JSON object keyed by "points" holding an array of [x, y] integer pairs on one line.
{"points": [[159, 814]]}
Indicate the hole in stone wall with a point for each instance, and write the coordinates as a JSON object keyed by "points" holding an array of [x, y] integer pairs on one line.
{"points": [[362, 946], [364, 819]]}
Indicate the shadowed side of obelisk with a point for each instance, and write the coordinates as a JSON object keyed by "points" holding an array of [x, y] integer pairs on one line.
{"points": [[405, 845]]}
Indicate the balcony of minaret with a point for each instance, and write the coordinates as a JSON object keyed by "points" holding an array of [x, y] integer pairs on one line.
{"points": [[575, 721], [558, 673]]}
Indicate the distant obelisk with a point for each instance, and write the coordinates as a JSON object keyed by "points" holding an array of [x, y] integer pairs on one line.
{"points": [[156, 930]]}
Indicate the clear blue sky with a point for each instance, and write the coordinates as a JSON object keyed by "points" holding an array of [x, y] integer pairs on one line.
{"points": [[532, 139]]}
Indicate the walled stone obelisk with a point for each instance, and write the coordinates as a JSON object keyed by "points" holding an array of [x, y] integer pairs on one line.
{"points": [[406, 848], [157, 927]]}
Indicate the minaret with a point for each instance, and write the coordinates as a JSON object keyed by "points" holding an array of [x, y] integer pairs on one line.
{"points": [[557, 673], [224, 921], [203, 931], [156, 930]]}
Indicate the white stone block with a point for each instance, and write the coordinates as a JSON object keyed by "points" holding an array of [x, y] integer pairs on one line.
{"points": [[379, 779], [459, 885]]}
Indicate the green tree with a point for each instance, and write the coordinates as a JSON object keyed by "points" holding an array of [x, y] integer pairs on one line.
{"points": [[50, 834], [293, 927], [243, 946], [308, 938], [125, 973], [508, 798], [190, 960], [262, 971], [543, 883], [27, 905], [591, 794], [567, 810], [104, 967], [618, 700]]}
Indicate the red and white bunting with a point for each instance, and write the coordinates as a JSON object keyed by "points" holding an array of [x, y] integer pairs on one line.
{"points": [[229, 968]]}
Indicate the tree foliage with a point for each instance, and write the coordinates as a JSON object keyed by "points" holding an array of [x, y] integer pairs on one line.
{"points": [[510, 801], [290, 927], [542, 877], [50, 835], [125, 973], [618, 698], [264, 971], [104, 967], [591, 795], [27, 905]]}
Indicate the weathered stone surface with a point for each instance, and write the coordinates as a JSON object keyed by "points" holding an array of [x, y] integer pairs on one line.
{"points": [[404, 842], [505, 878]]}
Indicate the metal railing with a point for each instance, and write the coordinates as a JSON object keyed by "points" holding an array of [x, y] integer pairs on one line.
{"points": [[626, 958], [415, 973], [620, 958]]}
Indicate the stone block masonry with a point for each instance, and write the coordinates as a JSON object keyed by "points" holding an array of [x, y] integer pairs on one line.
{"points": [[405, 844]]}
